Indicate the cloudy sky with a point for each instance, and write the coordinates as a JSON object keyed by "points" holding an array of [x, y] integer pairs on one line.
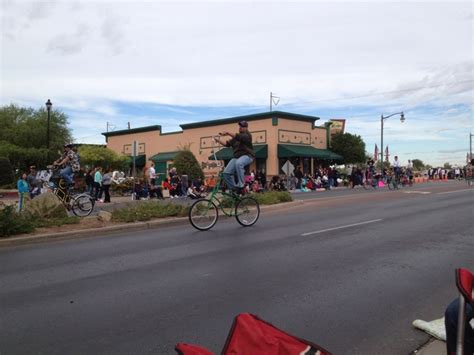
{"points": [[174, 62]]}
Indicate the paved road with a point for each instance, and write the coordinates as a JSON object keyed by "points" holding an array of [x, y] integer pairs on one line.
{"points": [[349, 272]]}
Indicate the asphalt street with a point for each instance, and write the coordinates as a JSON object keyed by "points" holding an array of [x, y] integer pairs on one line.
{"points": [[349, 271]]}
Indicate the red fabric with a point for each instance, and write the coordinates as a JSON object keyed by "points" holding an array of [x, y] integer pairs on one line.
{"points": [[251, 335], [464, 282], [187, 349]]}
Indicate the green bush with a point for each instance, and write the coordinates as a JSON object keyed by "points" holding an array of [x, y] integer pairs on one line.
{"points": [[273, 197], [186, 164], [145, 211], [12, 222]]}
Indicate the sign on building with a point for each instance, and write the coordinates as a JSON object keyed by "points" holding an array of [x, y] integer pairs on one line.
{"points": [[338, 126]]}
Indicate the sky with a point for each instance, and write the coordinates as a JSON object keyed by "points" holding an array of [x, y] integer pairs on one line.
{"points": [[107, 63]]}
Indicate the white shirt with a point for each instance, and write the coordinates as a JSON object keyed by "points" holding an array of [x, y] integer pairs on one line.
{"points": [[410, 165], [152, 173], [396, 164]]}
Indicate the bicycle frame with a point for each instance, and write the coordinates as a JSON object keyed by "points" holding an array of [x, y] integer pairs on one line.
{"points": [[215, 191]]}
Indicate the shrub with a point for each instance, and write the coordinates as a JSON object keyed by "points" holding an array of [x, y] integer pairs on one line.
{"points": [[186, 164], [145, 211], [12, 222], [273, 197]]}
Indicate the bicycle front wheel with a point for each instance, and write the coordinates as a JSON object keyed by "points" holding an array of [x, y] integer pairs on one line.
{"points": [[247, 211], [203, 214], [82, 205]]}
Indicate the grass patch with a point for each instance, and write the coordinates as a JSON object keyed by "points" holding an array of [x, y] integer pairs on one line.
{"points": [[147, 210], [272, 197]]}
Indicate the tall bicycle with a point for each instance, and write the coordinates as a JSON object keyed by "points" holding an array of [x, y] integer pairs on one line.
{"points": [[204, 213]]}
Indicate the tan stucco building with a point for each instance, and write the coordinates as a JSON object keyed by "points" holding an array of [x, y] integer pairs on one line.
{"points": [[277, 137]]}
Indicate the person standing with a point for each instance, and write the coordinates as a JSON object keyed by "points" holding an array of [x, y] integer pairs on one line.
{"points": [[396, 167], [106, 182], [89, 182], [152, 174], [98, 184], [23, 191], [33, 182]]}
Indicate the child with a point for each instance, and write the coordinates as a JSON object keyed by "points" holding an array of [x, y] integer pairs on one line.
{"points": [[23, 191]]}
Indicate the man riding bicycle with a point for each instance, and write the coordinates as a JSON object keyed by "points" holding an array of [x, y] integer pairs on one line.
{"points": [[70, 163], [241, 143]]}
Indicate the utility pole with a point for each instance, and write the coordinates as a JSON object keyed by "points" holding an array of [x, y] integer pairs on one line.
{"points": [[272, 97], [470, 146]]}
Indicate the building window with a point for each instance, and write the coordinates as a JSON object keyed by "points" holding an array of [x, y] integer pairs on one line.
{"points": [[275, 121]]}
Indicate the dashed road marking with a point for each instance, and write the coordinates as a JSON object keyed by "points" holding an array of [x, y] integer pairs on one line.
{"points": [[340, 227], [451, 192]]}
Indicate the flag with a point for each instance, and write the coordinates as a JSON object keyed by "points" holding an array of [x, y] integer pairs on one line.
{"points": [[376, 153], [386, 154]]}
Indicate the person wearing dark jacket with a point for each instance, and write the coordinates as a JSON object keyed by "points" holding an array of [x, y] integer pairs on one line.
{"points": [[241, 143]]}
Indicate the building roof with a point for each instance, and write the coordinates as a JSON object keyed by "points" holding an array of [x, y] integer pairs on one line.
{"points": [[253, 117], [236, 119], [133, 130]]}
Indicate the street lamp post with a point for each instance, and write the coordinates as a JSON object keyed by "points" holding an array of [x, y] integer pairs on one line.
{"points": [[382, 118], [48, 104], [470, 146]]}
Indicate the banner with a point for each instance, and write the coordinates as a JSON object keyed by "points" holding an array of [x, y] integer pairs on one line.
{"points": [[376, 153]]}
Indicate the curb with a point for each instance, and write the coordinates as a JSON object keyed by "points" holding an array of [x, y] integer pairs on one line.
{"points": [[109, 230]]}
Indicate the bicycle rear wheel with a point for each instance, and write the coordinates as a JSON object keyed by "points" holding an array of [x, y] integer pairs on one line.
{"points": [[203, 214], [247, 211], [82, 205]]}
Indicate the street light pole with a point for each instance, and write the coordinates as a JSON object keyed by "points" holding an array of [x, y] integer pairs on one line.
{"points": [[48, 104], [470, 146], [382, 118]]}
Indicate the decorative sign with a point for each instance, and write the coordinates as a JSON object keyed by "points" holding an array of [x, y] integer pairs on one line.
{"points": [[294, 137], [338, 126], [128, 149]]}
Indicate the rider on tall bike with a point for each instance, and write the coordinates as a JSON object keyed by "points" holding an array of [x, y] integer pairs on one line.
{"points": [[70, 163], [241, 144]]}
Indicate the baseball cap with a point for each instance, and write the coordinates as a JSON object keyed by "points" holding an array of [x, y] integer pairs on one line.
{"points": [[243, 124]]}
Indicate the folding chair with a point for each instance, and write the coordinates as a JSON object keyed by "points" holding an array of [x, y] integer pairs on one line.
{"points": [[251, 335], [464, 282]]}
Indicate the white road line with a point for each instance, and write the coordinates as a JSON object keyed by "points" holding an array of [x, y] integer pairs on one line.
{"points": [[451, 192], [341, 227], [417, 192]]}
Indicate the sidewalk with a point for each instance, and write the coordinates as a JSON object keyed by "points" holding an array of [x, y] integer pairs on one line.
{"points": [[434, 347]]}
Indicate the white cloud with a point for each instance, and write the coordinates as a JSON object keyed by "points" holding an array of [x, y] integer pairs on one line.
{"points": [[364, 56]]}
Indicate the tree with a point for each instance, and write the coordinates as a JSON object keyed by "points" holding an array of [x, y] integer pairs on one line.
{"points": [[350, 146], [23, 135], [6, 172], [447, 166], [186, 164], [418, 164], [94, 155]]}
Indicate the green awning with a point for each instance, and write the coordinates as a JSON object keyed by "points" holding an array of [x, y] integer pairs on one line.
{"points": [[140, 161], [301, 151], [260, 151], [163, 157], [306, 151]]}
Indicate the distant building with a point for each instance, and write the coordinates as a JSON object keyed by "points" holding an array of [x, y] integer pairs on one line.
{"points": [[277, 137]]}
